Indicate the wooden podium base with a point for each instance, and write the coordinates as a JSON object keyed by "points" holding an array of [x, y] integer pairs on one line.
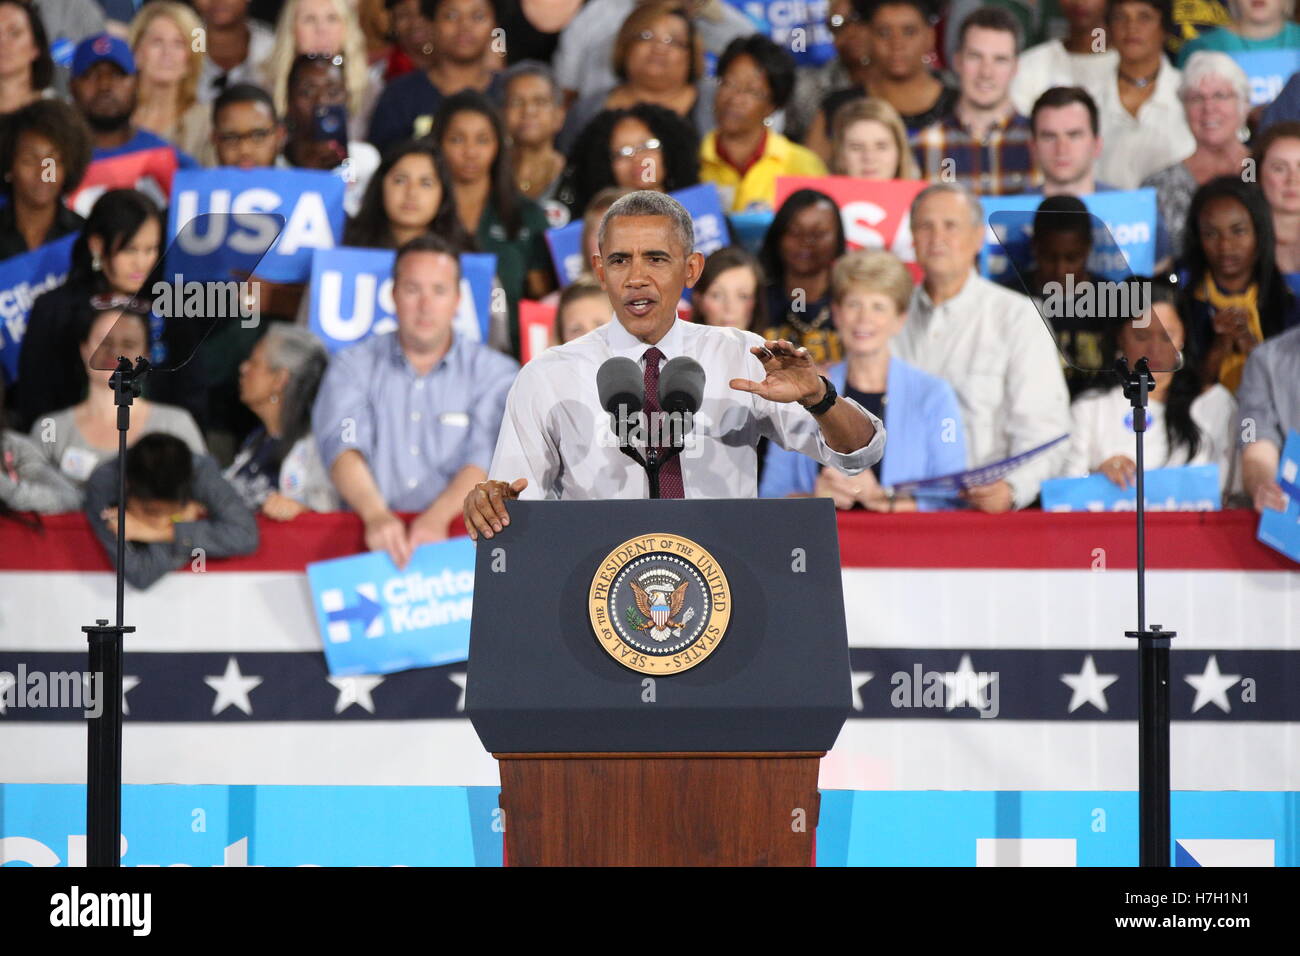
{"points": [[664, 809]]}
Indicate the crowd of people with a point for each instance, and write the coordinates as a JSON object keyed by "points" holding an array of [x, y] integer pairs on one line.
{"points": [[465, 126]]}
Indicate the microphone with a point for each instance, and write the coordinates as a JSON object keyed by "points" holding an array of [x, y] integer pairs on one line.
{"points": [[681, 388], [622, 392]]}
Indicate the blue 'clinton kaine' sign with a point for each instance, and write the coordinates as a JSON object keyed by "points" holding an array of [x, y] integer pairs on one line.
{"points": [[22, 279], [1186, 488], [375, 619]]}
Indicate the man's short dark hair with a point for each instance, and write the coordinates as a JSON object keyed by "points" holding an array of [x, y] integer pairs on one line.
{"points": [[866, 9], [62, 125], [1061, 96], [777, 65], [991, 18], [160, 467], [427, 242], [242, 93], [1063, 214], [429, 9]]}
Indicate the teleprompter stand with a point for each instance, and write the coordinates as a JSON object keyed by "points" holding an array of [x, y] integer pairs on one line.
{"points": [[104, 733], [1153, 657]]}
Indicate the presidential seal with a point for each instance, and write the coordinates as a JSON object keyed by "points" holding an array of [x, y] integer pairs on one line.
{"points": [[659, 604]]}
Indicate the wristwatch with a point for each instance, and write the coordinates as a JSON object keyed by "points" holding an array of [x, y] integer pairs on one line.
{"points": [[824, 406]]}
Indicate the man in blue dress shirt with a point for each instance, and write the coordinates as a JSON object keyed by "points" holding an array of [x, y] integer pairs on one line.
{"points": [[407, 421]]}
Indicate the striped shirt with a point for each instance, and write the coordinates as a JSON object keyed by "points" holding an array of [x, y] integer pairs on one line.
{"points": [[999, 165]]}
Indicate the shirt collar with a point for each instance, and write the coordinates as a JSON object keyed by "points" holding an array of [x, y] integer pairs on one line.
{"points": [[923, 297], [623, 343], [399, 360]]}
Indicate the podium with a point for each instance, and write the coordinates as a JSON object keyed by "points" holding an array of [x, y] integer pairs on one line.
{"points": [[658, 680]]}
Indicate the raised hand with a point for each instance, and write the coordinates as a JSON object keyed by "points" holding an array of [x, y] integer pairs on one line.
{"points": [[791, 375]]}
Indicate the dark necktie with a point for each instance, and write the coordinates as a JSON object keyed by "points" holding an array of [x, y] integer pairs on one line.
{"points": [[670, 475]]}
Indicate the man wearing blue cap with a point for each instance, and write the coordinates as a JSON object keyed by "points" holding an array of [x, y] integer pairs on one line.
{"points": [[104, 91]]}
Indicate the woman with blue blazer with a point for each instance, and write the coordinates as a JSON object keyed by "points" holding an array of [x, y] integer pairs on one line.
{"points": [[870, 293]]}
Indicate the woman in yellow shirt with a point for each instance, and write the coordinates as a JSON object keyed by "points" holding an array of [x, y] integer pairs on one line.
{"points": [[743, 155]]}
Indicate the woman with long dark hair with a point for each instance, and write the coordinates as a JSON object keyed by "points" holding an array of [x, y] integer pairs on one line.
{"points": [[408, 195], [801, 246], [26, 67], [116, 253], [471, 139], [1186, 424], [278, 469], [77, 440], [642, 147], [1238, 296]]}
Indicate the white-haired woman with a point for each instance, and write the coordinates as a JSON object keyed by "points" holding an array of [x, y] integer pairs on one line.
{"points": [[169, 68], [278, 469], [1256, 25], [1216, 98], [325, 28]]}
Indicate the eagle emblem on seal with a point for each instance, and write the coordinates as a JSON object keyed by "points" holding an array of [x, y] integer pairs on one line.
{"points": [[660, 607]]}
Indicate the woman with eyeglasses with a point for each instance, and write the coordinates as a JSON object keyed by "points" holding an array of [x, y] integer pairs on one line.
{"points": [[644, 147], [657, 59], [325, 28], [168, 69], [26, 67], [744, 155], [76, 440], [115, 255], [1216, 98], [470, 137], [799, 251]]}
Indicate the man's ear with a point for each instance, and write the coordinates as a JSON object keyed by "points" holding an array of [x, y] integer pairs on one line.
{"points": [[694, 266], [598, 267]]}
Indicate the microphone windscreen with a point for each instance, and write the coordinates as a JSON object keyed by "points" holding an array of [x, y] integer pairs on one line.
{"points": [[681, 385], [621, 386]]}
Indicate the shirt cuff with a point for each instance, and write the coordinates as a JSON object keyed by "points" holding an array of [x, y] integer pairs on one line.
{"points": [[855, 462]]}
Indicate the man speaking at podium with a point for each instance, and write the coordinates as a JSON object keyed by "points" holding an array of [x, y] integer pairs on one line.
{"points": [[556, 440]]}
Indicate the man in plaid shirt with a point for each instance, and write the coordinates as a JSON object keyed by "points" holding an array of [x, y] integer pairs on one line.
{"points": [[984, 143]]}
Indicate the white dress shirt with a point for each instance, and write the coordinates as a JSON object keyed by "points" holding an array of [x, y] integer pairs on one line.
{"points": [[1103, 428], [998, 354], [1050, 64], [556, 434], [1134, 147]]}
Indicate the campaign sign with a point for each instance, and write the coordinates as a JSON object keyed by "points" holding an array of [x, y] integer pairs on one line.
{"points": [[22, 279], [352, 295], [536, 329], [875, 212], [1189, 488], [1280, 530], [1267, 71], [1127, 248], [797, 25], [701, 201], [945, 485], [375, 619], [309, 200], [152, 171]]}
